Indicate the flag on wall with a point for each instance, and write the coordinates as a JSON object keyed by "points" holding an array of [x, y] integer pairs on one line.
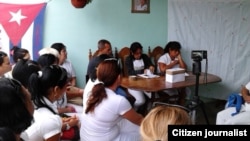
{"points": [[22, 25]]}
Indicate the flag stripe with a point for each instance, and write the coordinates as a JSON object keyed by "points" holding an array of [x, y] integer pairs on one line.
{"points": [[32, 39]]}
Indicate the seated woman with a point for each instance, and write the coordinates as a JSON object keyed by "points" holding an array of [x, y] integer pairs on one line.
{"points": [[110, 116], [16, 108], [238, 114], [47, 86], [138, 63], [48, 56], [172, 59]]}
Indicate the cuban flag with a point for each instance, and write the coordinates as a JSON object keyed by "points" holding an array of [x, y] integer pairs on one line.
{"points": [[22, 25]]}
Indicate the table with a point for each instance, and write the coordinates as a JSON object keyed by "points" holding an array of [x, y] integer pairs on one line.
{"points": [[157, 84]]}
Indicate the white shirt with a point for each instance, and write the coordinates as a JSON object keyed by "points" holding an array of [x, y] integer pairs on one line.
{"points": [[69, 68], [165, 59], [103, 122], [46, 125]]}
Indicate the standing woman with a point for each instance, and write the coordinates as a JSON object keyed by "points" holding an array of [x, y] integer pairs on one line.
{"points": [[47, 86], [4, 64], [110, 117], [138, 63]]}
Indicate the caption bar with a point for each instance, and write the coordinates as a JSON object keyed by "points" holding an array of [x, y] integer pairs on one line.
{"points": [[208, 132]]}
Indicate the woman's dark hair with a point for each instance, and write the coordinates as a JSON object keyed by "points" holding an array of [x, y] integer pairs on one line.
{"points": [[6, 134], [40, 83], [107, 73], [134, 46], [58, 47], [13, 106], [172, 45], [47, 60], [23, 69], [2, 55], [98, 60], [18, 53]]}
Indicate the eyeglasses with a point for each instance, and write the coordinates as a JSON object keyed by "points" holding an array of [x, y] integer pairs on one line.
{"points": [[171, 105]]}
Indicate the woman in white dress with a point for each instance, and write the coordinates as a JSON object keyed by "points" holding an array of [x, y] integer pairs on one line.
{"points": [[108, 116]]}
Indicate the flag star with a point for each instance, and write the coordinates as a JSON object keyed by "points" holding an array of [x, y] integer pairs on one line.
{"points": [[17, 17]]}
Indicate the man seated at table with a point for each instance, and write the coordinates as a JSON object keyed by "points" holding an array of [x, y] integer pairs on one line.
{"points": [[104, 52]]}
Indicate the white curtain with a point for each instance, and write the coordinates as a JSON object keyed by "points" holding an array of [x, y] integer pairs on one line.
{"points": [[222, 27]]}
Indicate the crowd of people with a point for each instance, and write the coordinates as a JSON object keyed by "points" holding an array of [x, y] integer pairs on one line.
{"points": [[37, 94]]}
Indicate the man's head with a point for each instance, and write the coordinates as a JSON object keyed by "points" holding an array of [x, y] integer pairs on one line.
{"points": [[104, 47]]}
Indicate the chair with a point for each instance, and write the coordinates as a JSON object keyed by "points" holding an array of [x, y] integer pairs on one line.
{"points": [[122, 54], [157, 52], [92, 55]]}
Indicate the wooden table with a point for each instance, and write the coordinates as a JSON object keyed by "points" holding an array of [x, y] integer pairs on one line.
{"points": [[159, 83]]}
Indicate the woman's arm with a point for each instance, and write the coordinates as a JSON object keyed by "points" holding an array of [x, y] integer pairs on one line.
{"points": [[133, 116], [245, 94], [181, 62]]}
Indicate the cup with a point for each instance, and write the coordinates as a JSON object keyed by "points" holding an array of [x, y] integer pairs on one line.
{"points": [[148, 72]]}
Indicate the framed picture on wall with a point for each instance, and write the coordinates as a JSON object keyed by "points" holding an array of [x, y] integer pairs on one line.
{"points": [[140, 6]]}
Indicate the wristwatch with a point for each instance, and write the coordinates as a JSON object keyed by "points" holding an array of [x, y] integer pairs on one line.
{"points": [[67, 126]]}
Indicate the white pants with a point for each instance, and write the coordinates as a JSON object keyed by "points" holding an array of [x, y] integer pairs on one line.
{"points": [[139, 98], [225, 116]]}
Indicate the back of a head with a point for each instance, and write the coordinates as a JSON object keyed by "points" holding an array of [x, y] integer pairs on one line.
{"points": [[155, 125], [134, 46], [40, 83], [13, 106], [48, 50], [27, 66], [18, 53], [108, 71], [47, 60], [172, 45], [98, 60], [58, 46]]}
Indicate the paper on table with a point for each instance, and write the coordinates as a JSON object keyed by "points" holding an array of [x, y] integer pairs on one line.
{"points": [[148, 76]]}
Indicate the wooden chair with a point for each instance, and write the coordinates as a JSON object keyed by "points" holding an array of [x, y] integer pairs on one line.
{"points": [[157, 52], [122, 54], [92, 55]]}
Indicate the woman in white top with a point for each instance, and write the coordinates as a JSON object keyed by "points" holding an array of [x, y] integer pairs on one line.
{"points": [[108, 116], [47, 86], [172, 59], [138, 63]]}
